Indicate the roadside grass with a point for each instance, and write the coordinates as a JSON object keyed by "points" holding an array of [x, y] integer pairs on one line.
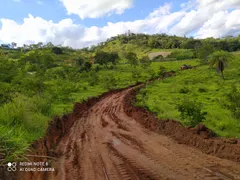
{"points": [[202, 85]]}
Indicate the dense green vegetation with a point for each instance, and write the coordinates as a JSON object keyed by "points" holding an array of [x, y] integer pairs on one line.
{"points": [[40, 81], [187, 96]]}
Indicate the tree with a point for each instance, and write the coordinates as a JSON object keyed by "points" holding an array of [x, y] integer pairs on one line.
{"points": [[46, 60], [220, 60], [48, 45], [57, 50], [162, 71], [234, 99], [204, 51], [79, 61], [14, 44], [86, 67], [132, 59], [145, 62], [43, 60], [101, 58], [39, 44], [113, 57], [104, 58], [191, 112]]}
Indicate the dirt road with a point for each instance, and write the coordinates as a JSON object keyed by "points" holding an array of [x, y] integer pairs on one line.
{"points": [[104, 143]]}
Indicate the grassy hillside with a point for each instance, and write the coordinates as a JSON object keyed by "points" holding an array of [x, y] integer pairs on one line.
{"points": [[117, 46], [202, 85]]}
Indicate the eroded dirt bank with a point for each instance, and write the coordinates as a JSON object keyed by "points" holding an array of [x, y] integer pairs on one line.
{"points": [[107, 138], [199, 137]]}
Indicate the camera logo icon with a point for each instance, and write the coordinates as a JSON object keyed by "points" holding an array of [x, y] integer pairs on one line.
{"points": [[12, 166]]}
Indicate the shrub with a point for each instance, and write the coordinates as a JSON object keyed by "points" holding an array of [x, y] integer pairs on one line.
{"points": [[93, 78], [145, 62], [136, 73], [57, 50], [191, 113], [109, 82], [86, 67], [234, 98], [202, 90], [97, 68], [182, 54], [158, 58], [184, 90], [162, 71]]}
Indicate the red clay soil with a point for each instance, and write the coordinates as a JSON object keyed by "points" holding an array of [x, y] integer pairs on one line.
{"points": [[199, 137], [108, 138]]}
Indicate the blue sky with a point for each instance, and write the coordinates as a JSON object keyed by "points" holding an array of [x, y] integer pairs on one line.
{"points": [[54, 10], [80, 23]]}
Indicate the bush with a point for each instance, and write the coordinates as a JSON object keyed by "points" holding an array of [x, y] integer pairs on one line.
{"points": [[202, 90], [145, 62], [191, 113], [158, 58], [93, 78], [86, 67], [97, 68], [136, 73], [109, 82], [162, 71], [234, 98], [57, 50], [182, 54], [184, 90]]}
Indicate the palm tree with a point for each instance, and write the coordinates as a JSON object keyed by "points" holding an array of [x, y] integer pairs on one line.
{"points": [[14, 44], [220, 60]]}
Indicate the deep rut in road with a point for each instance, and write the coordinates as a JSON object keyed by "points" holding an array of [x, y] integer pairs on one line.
{"points": [[107, 138]]}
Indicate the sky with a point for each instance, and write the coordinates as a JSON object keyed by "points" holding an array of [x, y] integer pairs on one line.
{"points": [[82, 23]]}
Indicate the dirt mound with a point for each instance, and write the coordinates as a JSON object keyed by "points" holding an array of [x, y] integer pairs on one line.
{"points": [[199, 137]]}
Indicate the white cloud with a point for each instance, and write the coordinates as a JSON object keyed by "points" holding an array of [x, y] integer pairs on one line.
{"points": [[162, 10], [96, 8], [204, 3], [204, 11], [65, 32], [221, 24], [210, 18]]}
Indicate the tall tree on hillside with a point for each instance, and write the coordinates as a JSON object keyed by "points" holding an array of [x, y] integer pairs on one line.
{"points": [[104, 58], [204, 51], [220, 60], [132, 59], [145, 62], [57, 50], [80, 61], [14, 44], [39, 44]]}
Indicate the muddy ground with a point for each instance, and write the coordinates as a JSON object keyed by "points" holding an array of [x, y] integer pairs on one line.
{"points": [[108, 138]]}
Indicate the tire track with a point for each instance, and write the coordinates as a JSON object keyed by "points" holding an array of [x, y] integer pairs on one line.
{"points": [[105, 143]]}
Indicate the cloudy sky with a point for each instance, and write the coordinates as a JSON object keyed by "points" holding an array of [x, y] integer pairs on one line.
{"points": [[81, 23]]}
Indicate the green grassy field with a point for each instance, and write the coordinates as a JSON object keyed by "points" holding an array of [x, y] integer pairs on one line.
{"points": [[202, 85]]}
